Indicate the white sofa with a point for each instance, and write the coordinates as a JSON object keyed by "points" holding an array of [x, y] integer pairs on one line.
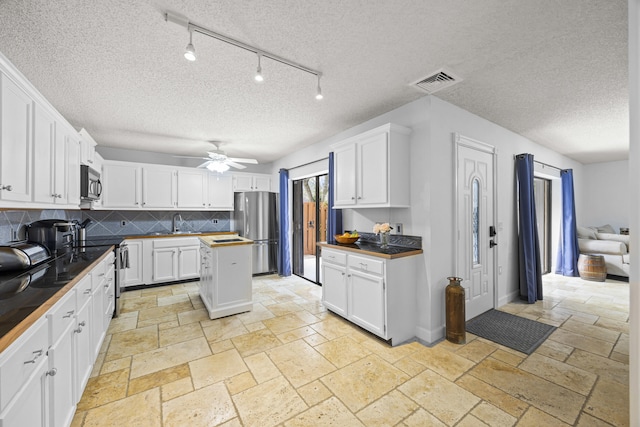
{"points": [[604, 241]]}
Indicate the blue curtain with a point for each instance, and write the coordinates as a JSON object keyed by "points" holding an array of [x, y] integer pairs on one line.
{"points": [[334, 222], [284, 247], [529, 247], [568, 251]]}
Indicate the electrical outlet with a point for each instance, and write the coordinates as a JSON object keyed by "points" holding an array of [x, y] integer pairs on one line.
{"points": [[123, 223], [214, 220], [399, 228]]}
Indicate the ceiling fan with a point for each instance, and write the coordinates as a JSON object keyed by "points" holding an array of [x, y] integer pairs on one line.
{"points": [[218, 161]]}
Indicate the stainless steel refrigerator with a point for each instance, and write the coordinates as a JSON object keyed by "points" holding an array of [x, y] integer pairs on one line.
{"points": [[256, 217]]}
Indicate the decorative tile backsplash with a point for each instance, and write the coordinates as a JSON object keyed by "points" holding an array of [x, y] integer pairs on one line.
{"points": [[114, 223], [394, 239], [127, 223]]}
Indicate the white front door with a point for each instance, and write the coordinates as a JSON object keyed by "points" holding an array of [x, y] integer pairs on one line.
{"points": [[475, 215]]}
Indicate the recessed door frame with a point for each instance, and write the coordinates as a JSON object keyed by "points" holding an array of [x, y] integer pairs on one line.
{"points": [[463, 141]]}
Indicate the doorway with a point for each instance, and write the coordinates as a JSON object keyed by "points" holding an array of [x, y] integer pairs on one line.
{"points": [[542, 198], [477, 236], [310, 212]]}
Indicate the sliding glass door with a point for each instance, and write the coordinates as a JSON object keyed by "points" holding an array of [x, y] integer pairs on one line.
{"points": [[542, 195], [310, 197]]}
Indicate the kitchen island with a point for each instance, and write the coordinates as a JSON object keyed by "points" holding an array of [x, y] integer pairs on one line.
{"points": [[225, 274]]}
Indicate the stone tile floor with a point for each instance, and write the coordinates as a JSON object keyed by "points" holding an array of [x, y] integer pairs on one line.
{"points": [[291, 363]]}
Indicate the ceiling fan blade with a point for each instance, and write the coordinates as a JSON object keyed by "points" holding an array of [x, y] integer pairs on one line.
{"points": [[204, 165], [191, 157], [235, 165], [241, 160]]}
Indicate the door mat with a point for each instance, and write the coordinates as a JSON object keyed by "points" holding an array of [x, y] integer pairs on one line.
{"points": [[515, 332]]}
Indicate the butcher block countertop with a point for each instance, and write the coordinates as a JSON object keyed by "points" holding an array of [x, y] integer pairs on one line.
{"points": [[218, 240], [373, 249]]}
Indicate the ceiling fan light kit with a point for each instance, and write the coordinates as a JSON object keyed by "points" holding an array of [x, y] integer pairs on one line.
{"points": [[191, 55], [218, 161]]}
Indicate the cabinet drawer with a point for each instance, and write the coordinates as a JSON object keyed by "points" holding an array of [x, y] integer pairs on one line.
{"points": [[334, 256], [83, 291], [21, 359], [61, 315], [175, 242], [366, 264]]}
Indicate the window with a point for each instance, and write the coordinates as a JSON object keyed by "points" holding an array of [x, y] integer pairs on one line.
{"points": [[475, 218]]}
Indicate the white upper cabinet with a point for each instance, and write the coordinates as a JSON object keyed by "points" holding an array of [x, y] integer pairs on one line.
{"points": [[44, 132], [192, 185], [220, 190], [16, 119], [251, 182], [121, 186], [371, 170], [128, 185], [87, 149], [39, 150], [158, 187], [73, 169]]}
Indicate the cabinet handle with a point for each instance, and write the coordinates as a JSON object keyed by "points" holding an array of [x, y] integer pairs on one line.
{"points": [[353, 198], [77, 331], [83, 323], [363, 265], [87, 291], [37, 354], [107, 285], [52, 372], [7, 187], [359, 197], [69, 314]]}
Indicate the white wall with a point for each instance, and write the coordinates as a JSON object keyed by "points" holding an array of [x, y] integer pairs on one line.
{"points": [[606, 187], [431, 215]]}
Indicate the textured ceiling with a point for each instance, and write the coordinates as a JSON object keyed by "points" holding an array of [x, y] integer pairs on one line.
{"points": [[554, 71]]}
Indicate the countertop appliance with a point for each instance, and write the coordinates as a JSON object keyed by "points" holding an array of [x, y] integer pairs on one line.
{"points": [[55, 234], [21, 256], [256, 217], [90, 184]]}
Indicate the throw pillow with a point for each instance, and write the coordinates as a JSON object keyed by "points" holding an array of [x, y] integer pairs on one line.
{"points": [[606, 229], [586, 233]]}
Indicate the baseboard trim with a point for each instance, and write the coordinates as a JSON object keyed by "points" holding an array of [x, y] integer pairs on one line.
{"points": [[510, 297], [429, 337]]}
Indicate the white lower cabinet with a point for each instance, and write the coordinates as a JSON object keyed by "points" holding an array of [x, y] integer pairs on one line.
{"points": [[377, 294], [165, 259], [62, 361], [175, 258], [24, 380], [334, 288], [225, 279], [44, 372], [134, 274]]}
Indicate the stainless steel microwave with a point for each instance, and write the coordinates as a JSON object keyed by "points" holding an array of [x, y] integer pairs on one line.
{"points": [[90, 185]]}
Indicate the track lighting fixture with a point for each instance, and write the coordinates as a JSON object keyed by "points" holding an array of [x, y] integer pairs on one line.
{"points": [[190, 52], [319, 91], [258, 76]]}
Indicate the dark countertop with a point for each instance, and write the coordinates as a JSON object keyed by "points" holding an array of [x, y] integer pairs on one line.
{"points": [[27, 295], [374, 249]]}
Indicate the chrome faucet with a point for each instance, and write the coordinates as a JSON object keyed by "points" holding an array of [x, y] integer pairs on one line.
{"points": [[174, 222]]}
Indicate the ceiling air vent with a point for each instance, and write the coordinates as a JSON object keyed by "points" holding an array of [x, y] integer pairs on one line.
{"points": [[437, 81]]}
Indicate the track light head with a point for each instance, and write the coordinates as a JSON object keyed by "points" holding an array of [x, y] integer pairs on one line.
{"points": [[319, 91], [190, 51], [258, 77]]}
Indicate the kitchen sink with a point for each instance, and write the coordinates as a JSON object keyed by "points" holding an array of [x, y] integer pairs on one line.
{"points": [[183, 232], [227, 240], [169, 233]]}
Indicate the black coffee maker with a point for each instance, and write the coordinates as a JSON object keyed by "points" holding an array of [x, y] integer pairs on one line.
{"points": [[58, 235]]}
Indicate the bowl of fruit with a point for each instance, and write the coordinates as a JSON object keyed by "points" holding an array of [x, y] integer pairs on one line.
{"points": [[347, 238]]}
